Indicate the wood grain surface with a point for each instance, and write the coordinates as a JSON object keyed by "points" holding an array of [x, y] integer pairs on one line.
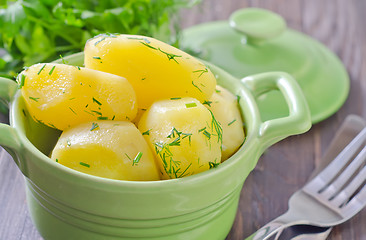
{"points": [[284, 167]]}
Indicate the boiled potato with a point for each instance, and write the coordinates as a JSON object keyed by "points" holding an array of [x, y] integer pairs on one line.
{"points": [[110, 149], [61, 96], [155, 69], [185, 136], [224, 106]]}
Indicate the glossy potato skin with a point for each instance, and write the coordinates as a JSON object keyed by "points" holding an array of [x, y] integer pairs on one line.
{"points": [[62, 96], [107, 149], [184, 136], [155, 69], [224, 106]]}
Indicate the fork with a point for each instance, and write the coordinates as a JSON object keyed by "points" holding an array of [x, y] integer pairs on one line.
{"points": [[332, 197]]}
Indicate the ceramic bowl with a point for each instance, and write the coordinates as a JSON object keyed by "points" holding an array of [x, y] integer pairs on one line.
{"points": [[67, 204]]}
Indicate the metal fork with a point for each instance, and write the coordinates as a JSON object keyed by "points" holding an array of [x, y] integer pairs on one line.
{"points": [[332, 197]]}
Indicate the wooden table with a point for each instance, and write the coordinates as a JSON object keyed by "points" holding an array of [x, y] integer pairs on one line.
{"points": [[285, 167]]}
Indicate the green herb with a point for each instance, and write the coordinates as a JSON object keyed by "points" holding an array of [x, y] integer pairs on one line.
{"points": [[97, 58], [238, 98], [202, 129], [176, 98], [100, 40], [24, 113], [149, 46], [56, 160], [39, 31], [68, 142], [217, 90], [40, 70], [146, 132], [96, 101], [94, 126], [73, 111], [192, 104], [137, 159], [22, 80], [34, 99], [196, 86], [102, 118], [113, 117], [51, 71], [99, 113], [84, 164], [207, 134], [142, 79], [207, 103], [170, 56], [202, 71], [231, 122], [63, 60], [216, 126], [213, 164]]}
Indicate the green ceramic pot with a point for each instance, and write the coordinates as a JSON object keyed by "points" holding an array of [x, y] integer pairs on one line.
{"points": [[66, 204]]}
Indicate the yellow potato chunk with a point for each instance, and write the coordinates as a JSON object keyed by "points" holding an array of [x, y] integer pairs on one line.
{"points": [[61, 96], [109, 149], [155, 69], [185, 136], [224, 106]]}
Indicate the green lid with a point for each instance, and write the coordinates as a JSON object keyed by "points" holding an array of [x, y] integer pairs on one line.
{"points": [[256, 41]]}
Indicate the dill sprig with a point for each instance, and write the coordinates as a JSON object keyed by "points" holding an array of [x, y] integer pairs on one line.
{"points": [[84, 164], [201, 71], [196, 86], [40, 70], [137, 158], [34, 99], [190, 105], [51, 71], [231, 122], [94, 126]]}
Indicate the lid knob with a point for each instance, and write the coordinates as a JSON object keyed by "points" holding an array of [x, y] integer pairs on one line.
{"points": [[257, 24]]}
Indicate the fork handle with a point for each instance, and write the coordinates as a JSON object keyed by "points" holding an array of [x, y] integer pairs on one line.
{"points": [[269, 230]]}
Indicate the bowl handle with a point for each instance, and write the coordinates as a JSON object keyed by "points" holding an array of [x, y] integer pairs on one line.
{"points": [[299, 118], [9, 139]]}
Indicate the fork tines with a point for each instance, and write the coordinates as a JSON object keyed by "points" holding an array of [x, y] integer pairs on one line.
{"points": [[341, 185]]}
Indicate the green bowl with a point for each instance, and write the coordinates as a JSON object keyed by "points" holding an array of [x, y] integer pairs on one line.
{"points": [[67, 204]]}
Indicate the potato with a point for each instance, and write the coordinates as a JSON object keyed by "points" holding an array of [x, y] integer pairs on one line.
{"points": [[110, 149], [155, 69], [185, 136], [61, 96], [224, 106]]}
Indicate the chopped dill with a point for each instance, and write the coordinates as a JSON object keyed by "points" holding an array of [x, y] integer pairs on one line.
{"points": [[84, 164], [202, 71], [97, 58], [231, 122], [175, 98], [146, 132], [137, 159], [34, 99], [40, 70], [100, 40], [148, 45], [207, 103], [63, 60], [51, 71], [22, 80], [213, 164], [170, 56], [102, 118], [96, 101], [73, 111], [196, 86], [99, 113], [114, 116], [94, 126], [190, 105]]}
